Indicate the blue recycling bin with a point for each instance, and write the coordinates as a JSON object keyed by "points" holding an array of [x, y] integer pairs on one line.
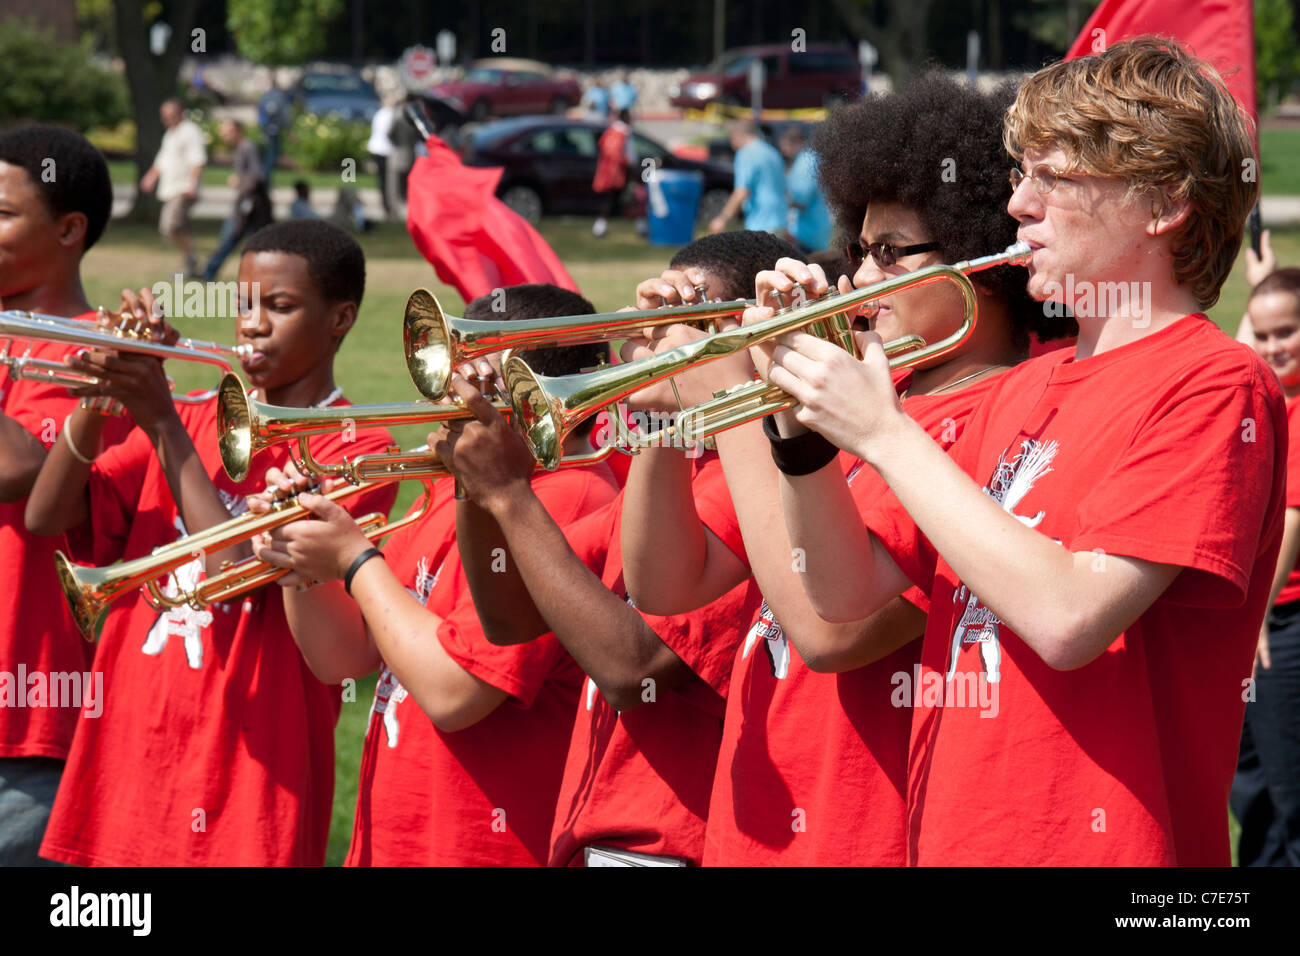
{"points": [[672, 199]]}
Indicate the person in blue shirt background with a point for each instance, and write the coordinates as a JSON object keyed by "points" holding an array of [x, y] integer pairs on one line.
{"points": [[596, 102], [810, 221], [759, 182], [622, 94]]}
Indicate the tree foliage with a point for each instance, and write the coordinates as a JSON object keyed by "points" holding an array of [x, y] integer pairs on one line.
{"points": [[281, 32], [1277, 54], [56, 83]]}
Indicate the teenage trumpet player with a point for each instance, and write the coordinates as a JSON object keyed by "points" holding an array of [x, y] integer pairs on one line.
{"points": [[215, 744], [47, 223], [466, 740]]}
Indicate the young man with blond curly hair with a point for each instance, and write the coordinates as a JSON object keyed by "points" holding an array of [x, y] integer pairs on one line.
{"points": [[1098, 546]]}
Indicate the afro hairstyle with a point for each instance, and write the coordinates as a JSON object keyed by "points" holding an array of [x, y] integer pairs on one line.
{"points": [[935, 147]]}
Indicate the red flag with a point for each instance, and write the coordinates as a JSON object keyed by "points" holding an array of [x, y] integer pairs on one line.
{"points": [[474, 241], [1221, 32]]}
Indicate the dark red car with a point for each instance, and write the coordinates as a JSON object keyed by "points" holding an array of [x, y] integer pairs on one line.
{"points": [[509, 87], [817, 76]]}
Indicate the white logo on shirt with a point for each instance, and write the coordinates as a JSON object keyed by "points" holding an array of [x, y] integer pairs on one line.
{"points": [[389, 691], [778, 648], [186, 622], [1011, 481]]}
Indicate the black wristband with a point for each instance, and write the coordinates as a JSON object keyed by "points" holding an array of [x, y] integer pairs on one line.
{"points": [[361, 559], [800, 455]]}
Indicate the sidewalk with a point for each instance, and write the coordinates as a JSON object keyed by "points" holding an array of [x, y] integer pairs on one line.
{"points": [[216, 202]]}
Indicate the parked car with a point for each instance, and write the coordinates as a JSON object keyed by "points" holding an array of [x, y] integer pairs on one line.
{"points": [[818, 76], [326, 92], [549, 163], [504, 86]]}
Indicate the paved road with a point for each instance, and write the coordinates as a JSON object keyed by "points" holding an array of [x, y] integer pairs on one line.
{"points": [[215, 202]]}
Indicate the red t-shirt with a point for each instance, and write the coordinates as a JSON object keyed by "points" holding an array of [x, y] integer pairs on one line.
{"points": [[215, 745], [786, 794], [484, 795], [1291, 590], [37, 635], [1171, 449], [639, 780]]}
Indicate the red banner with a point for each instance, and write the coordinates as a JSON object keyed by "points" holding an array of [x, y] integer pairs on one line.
{"points": [[475, 242]]}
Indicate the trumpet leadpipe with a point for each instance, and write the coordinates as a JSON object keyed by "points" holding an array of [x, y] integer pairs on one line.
{"points": [[436, 343]]}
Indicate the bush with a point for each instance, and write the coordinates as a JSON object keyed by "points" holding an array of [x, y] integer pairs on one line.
{"points": [[323, 142], [52, 83]]}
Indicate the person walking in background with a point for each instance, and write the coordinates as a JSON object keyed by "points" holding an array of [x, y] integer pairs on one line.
{"points": [[271, 118], [175, 174], [809, 222], [1265, 795], [622, 94], [252, 207], [759, 182], [613, 157], [380, 147], [596, 102]]}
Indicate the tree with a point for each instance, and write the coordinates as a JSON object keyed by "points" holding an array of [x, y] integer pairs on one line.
{"points": [[150, 79], [1277, 56], [901, 40], [281, 32], [54, 82]]}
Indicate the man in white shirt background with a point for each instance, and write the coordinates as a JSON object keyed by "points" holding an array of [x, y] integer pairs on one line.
{"points": [[175, 173]]}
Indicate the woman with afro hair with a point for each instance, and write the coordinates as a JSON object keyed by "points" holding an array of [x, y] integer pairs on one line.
{"points": [[814, 751]]}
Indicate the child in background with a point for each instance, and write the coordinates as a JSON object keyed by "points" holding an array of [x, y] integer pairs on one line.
{"points": [[1266, 790]]}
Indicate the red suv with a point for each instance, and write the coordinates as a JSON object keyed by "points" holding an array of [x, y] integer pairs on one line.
{"points": [[818, 76]]}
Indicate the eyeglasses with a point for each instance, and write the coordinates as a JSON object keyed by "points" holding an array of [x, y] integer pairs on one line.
{"points": [[884, 254], [1044, 177]]}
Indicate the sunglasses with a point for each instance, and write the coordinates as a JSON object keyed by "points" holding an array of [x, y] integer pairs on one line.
{"points": [[884, 254]]}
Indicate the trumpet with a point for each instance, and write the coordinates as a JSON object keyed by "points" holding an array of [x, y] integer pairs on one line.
{"points": [[436, 343], [245, 426], [88, 591], [549, 407], [34, 326]]}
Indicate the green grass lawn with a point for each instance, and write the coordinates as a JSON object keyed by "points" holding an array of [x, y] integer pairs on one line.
{"points": [[371, 369], [1279, 161]]}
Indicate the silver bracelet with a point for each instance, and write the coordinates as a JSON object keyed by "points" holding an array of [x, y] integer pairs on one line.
{"points": [[67, 436]]}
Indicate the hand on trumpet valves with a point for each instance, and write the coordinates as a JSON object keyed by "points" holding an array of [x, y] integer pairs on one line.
{"points": [[672, 287], [135, 380], [693, 386], [313, 551], [282, 485], [484, 374], [489, 459], [851, 402], [141, 315]]}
